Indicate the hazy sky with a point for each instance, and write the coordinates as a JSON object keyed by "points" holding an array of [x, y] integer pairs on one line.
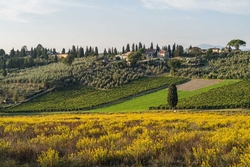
{"points": [[114, 23]]}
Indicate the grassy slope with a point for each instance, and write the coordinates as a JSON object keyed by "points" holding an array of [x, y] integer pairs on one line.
{"points": [[156, 99], [82, 98]]}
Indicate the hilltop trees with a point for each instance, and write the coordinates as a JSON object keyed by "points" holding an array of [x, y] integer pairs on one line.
{"points": [[128, 48], [63, 51], [80, 53], [2, 52], [134, 57], [172, 96], [236, 43], [179, 51]]}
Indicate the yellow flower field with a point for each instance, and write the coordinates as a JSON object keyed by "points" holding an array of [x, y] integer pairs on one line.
{"points": [[126, 139]]}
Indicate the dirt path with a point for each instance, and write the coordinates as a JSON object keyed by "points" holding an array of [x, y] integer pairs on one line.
{"points": [[197, 84]]}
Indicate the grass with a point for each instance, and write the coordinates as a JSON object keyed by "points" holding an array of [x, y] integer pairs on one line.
{"points": [[143, 103], [82, 98]]}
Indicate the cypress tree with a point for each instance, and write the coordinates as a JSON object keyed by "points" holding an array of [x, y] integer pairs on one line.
{"points": [[172, 96], [157, 48], [151, 46], [133, 47], [169, 50], [80, 53], [140, 45], [31, 52], [109, 51], [128, 48], [115, 51], [73, 51], [123, 50], [173, 49], [96, 51], [105, 52], [136, 48], [87, 51], [112, 51], [63, 51]]}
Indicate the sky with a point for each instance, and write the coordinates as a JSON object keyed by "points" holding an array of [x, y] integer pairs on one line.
{"points": [[115, 23]]}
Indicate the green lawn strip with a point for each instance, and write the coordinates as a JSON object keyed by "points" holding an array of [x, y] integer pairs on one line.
{"points": [[156, 99], [82, 98]]}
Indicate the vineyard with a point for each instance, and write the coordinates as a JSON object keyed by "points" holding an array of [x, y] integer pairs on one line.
{"points": [[158, 98], [234, 95], [81, 97], [131, 139]]}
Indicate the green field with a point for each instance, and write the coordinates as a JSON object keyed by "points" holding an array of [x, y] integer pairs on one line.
{"points": [[82, 98], [143, 103]]}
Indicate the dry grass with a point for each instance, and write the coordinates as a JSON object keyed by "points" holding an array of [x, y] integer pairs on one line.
{"points": [[197, 84]]}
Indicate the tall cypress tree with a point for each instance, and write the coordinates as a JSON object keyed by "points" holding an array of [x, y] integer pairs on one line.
{"points": [[115, 51], [172, 96], [136, 48], [112, 51], [133, 47], [87, 51], [128, 48], [31, 52], [169, 50], [63, 51], [173, 49], [54, 50], [73, 50], [96, 51], [80, 52], [105, 52], [109, 51], [151, 46], [140, 45], [123, 50], [157, 48]]}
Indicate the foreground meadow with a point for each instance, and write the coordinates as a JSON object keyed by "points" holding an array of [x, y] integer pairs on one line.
{"points": [[126, 139]]}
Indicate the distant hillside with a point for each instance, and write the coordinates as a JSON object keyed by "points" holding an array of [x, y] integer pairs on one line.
{"points": [[207, 46]]}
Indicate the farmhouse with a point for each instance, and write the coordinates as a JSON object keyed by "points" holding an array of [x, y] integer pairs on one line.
{"points": [[216, 50], [163, 54], [150, 53], [124, 56]]}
